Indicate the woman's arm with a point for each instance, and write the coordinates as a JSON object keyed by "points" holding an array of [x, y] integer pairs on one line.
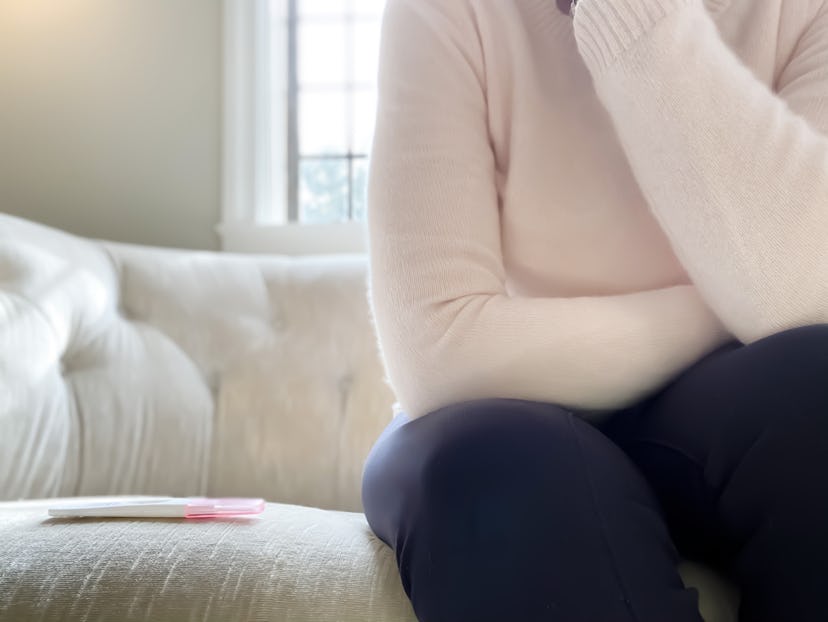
{"points": [[447, 329], [736, 175]]}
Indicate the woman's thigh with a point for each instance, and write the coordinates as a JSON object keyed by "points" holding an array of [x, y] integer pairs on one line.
{"points": [[736, 450], [509, 509]]}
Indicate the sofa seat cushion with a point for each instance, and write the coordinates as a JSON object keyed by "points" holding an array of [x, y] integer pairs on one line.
{"points": [[292, 563]]}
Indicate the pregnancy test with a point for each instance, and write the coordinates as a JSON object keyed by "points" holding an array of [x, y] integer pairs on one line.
{"points": [[164, 507]]}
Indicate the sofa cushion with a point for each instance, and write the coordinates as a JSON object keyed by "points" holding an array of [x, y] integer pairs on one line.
{"points": [[132, 370], [292, 563]]}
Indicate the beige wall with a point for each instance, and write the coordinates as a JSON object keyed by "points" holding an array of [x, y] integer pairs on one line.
{"points": [[110, 117]]}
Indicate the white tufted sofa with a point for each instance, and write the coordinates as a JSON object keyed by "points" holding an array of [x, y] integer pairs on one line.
{"points": [[138, 371]]}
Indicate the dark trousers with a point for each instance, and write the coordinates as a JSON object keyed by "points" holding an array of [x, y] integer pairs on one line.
{"points": [[510, 510]]}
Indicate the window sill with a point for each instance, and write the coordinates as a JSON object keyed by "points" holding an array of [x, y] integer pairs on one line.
{"points": [[293, 239]]}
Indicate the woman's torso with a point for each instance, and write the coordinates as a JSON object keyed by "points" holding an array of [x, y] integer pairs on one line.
{"points": [[573, 219]]}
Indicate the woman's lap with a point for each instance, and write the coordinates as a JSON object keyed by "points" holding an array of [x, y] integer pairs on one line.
{"points": [[510, 509], [736, 450], [733, 449]]}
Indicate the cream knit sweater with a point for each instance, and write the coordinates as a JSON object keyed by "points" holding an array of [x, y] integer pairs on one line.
{"points": [[574, 210]]}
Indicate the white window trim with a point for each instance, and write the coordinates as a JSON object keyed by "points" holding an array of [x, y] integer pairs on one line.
{"points": [[254, 174], [294, 238]]}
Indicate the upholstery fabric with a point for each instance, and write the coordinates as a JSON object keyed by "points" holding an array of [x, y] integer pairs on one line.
{"points": [[126, 370], [292, 563], [140, 371]]}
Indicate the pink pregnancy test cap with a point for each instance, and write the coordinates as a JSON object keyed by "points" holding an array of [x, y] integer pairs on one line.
{"points": [[205, 508]]}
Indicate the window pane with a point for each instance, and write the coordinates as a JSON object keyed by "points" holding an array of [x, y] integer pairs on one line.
{"points": [[322, 118], [321, 7], [366, 50], [322, 53], [367, 7], [337, 61], [360, 187], [323, 190], [365, 111]]}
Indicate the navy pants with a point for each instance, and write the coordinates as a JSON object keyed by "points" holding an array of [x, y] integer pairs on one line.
{"points": [[504, 510]]}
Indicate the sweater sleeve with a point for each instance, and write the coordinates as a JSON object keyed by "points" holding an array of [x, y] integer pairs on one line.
{"points": [[735, 173], [447, 329]]}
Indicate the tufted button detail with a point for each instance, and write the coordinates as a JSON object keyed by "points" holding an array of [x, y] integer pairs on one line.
{"points": [[346, 382], [66, 364], [277, 318]]}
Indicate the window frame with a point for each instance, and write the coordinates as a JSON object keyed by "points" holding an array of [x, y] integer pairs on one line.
{"points": [[254, 173]]}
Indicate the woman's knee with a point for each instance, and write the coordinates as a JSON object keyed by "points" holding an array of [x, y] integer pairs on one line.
{"points": [[774, 390], [483, 447], [495, 453], [528, 464], [788, 372], [498, 510], [793, 362]]}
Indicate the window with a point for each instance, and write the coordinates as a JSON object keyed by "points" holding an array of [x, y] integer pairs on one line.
{"points": [[333, 47], [300, 105]]}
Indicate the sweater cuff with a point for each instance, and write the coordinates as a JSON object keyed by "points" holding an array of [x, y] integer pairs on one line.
{"points": [[605, 29]]}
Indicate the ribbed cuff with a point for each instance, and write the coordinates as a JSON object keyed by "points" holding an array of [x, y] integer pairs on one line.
{"points": [[604, 29]]}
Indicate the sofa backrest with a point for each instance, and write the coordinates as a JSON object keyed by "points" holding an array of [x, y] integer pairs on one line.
{"points": [[133, 370]]}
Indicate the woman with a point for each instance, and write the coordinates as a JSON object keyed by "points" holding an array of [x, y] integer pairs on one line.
{"points": [[599, 279]]}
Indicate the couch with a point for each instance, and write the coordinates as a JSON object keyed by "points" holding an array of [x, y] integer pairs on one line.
{"points": [[128, 370]]}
